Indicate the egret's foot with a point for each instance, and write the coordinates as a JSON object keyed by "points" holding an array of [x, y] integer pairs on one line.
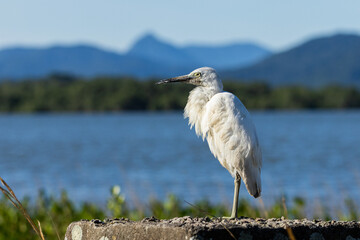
{"points": [[229, 218]]}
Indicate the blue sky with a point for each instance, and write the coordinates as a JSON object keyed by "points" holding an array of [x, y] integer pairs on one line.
{"points": [[115, 24]]}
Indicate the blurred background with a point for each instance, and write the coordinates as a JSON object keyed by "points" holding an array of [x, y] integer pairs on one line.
{"points": [[80, 111]]}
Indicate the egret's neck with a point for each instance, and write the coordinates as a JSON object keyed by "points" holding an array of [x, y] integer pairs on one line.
{"points": [[195, 106]]}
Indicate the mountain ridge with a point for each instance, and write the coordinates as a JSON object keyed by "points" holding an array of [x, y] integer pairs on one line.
{"points": [[148, 57], [333, 59]]}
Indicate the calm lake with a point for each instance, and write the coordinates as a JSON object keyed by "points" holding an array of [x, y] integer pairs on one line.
{"points": [[312, 154]]}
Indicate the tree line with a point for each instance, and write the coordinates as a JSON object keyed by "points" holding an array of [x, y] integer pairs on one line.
{"points": [[60, 93]]}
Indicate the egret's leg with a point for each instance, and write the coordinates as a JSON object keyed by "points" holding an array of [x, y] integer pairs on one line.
{"points": [[237, 182]]}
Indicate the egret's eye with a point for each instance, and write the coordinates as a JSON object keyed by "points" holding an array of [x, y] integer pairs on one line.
{"points": [[197, 74]]}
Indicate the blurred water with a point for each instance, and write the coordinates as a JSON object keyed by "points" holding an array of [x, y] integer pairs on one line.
{"points": [[310, 154]]}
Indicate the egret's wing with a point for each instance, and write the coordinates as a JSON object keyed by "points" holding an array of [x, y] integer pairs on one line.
{"points": [[232, 138]]}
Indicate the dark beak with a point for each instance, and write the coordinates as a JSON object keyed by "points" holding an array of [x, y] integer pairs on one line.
{"points": [[184, 79]]}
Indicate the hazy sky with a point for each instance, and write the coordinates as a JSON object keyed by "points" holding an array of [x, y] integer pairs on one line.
{"points": [[115, 24]]}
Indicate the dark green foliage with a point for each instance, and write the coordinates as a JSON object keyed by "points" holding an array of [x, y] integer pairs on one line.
{"points": [[61, 93], [55, 214]]}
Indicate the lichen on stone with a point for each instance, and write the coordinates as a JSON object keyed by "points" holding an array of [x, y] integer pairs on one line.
{"points": [[76, 233]]}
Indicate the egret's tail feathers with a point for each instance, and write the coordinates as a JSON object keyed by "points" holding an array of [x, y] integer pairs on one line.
{"points": [[252, 182], [254, 190], [257, 193]]}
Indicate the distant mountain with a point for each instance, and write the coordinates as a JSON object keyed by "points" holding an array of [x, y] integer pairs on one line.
{"points": [[326, 60], [227, 56], [193, 56], [82, 60], [152, 49], [149, 57]]}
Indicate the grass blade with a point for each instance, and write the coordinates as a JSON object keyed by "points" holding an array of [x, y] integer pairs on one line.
{"points": [[9, 193]]}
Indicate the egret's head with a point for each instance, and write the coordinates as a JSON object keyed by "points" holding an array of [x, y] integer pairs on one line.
{"points": [[205, 77]]}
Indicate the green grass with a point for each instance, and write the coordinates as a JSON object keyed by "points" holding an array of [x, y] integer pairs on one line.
{"points": [[55, 214]]}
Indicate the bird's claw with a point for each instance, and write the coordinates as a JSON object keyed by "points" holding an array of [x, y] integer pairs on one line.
{"points": [[228, 218]]}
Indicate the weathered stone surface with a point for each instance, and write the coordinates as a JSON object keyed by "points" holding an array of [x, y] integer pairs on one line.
{"points": [[214, 228]]}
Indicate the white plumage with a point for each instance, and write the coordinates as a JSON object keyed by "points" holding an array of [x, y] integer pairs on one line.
{"points": [[223, 120]]}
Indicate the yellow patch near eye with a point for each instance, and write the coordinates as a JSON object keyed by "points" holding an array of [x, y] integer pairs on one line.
{"points": [[197, 74]]}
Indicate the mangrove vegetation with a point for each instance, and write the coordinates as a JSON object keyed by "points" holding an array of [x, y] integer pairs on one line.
{"points": [[61, 93]]}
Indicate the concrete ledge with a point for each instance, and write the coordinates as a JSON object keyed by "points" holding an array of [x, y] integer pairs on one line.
{"points": [[215, 228]]}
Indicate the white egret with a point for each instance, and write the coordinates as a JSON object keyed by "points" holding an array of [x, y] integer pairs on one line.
{"points": [[223, 120]]}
